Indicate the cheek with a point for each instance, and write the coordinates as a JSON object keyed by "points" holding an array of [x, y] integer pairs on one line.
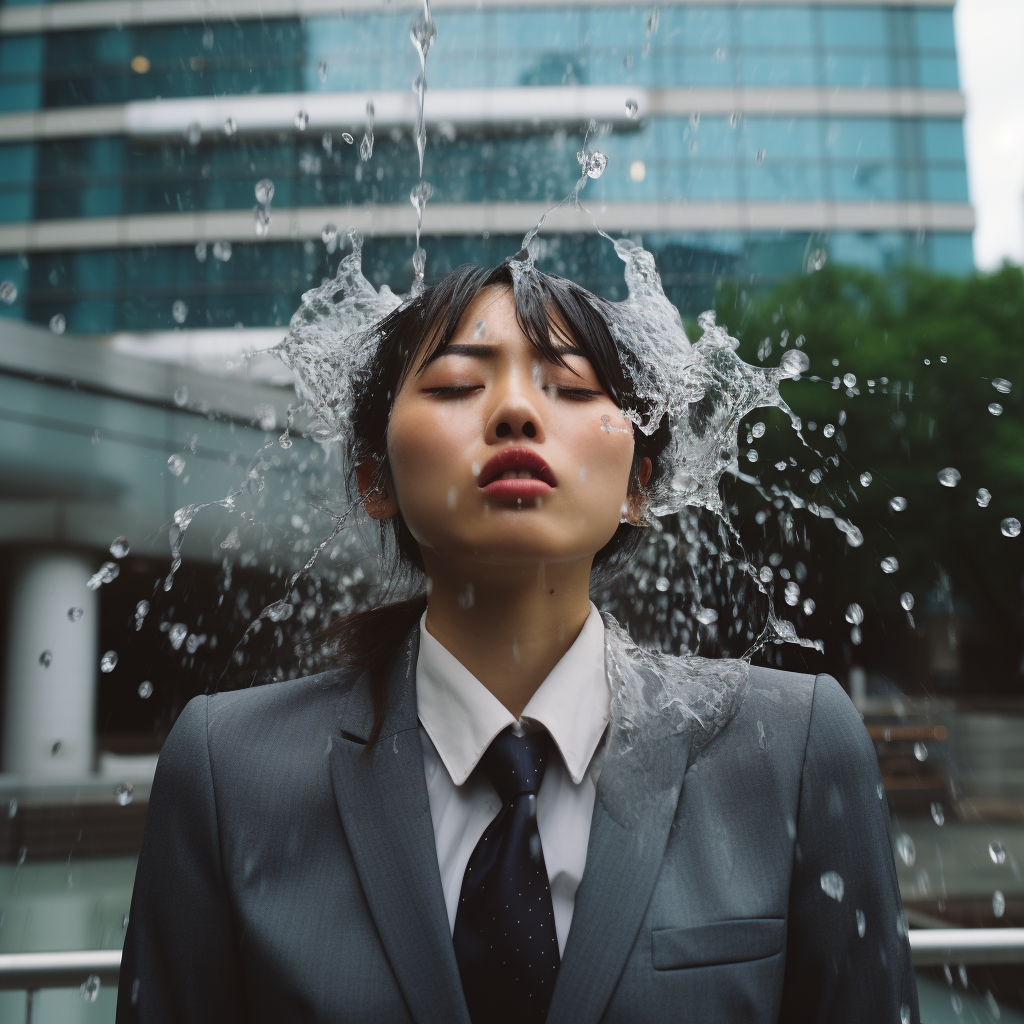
{"points": [[605, 458], [424, 449]]}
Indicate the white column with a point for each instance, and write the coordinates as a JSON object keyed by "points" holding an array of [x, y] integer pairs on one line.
{"points": [[50, 710]]}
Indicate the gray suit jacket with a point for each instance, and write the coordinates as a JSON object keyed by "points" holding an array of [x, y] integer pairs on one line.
{"points": [[288, 872]]}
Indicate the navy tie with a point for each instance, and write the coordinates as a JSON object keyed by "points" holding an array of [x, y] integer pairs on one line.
{"points": [[505, 941]]}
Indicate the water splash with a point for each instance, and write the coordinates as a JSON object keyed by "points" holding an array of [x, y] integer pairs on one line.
{"points": [[422, 32]]}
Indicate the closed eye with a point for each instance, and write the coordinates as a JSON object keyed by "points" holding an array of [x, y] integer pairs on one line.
{"points": [[453, 390], [576, 394]]}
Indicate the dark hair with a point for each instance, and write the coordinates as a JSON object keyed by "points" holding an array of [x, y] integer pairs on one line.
{"points": [[547, 308]]}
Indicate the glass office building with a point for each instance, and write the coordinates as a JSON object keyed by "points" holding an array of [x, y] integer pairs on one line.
{"points": [[743, 140]]}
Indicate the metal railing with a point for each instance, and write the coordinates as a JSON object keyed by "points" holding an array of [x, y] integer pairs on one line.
{"points": [[930, 947]]}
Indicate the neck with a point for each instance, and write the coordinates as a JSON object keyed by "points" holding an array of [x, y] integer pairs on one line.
{"points": [[508, 626]]}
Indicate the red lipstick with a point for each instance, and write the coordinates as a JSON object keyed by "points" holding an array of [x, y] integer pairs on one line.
{"points": [[516, 473]]}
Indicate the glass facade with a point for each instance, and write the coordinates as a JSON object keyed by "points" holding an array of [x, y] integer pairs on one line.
{"points": [[738, 160], [880, 47]]}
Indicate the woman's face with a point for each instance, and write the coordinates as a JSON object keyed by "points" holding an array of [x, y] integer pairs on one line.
{"points": [[499, 456]]}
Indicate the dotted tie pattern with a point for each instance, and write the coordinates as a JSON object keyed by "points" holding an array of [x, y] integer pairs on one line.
{"points": [[505, 941]]}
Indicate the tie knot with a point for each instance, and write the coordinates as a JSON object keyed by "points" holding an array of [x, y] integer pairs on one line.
{"points": [[515, 764]]}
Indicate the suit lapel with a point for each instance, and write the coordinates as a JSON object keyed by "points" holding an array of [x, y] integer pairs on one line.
{"points": [[382, 798], [636, 803]]}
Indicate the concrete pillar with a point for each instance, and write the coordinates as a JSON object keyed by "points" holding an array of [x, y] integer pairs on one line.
{"points": [[50, 710]]}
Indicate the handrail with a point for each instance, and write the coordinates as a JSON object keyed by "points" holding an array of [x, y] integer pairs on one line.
{"points": [[933, 946], [930, 947], [31, 971]]}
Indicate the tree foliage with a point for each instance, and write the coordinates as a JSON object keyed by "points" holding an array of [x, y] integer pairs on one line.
{"points": [[925, 351]]}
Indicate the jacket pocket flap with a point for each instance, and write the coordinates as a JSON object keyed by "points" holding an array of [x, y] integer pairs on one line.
{"points": [[724, 942]]}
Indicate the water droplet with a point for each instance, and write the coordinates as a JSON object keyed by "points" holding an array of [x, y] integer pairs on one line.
{"points": [[907, 601], [855, 614], [222, 251], [995, 408], [734, 119], [329, 236], [176, 634], [707, 616], [194, 133], [119, 547], [108, 662], [123, 793], [74, 614], [1010, 527], [920, 751], [58, 323], [592, 162], [760, 155], [89, 990], [828, 430], [889, 565], [175, 464], [301, 121], [757, 430], [898, 504], [1002, 385], [45, 658], [816, 261], [850, 380], [107, 572], [8, 292], [284, 441], [261, 221], [949, 477], [938, 814], [321, 70], [809, 606], [855, 635], [780, 465], [264, 191], [420, 195], [794, 362], [181, 395], [832, 885], [230, 126], [145, 689], [997, 852], [983, 497], [862, 924], [906, 849], [814, 476], [752, 455], [998, 903], [347, 138], [792, 594], [765, 575], [632, 109], [661, 584]]}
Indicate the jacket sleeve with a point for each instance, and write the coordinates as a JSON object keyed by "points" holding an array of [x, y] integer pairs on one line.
{"points": [[847, 955], [181, 954]]}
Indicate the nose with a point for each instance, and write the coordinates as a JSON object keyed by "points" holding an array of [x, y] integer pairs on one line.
{"points": [[515, 415]]}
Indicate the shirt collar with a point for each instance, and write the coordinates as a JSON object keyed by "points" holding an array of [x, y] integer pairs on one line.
{"points": [[461, 716]]}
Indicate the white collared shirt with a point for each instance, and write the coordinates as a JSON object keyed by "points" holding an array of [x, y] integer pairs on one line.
{"points": [[459, 717]]}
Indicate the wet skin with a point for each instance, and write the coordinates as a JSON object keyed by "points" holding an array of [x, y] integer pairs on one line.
{"points": [[522, 531]]}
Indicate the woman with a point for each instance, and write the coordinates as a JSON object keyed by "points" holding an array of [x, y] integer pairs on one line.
{"points": [[498, 810]]}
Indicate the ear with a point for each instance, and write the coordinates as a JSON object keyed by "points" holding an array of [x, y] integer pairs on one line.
{"points": [[637, 501], [379, 504]]}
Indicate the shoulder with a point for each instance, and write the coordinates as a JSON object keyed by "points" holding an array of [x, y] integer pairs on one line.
{"points": [[251, 721]]}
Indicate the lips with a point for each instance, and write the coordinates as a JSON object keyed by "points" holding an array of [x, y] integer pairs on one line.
{"points": [[516, 473]]}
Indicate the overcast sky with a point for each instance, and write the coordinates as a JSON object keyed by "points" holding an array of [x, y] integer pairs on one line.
{"points": [[990, 41]]}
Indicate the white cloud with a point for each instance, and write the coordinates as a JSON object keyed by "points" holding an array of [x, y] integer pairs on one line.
{"points": [[990, 39]]}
